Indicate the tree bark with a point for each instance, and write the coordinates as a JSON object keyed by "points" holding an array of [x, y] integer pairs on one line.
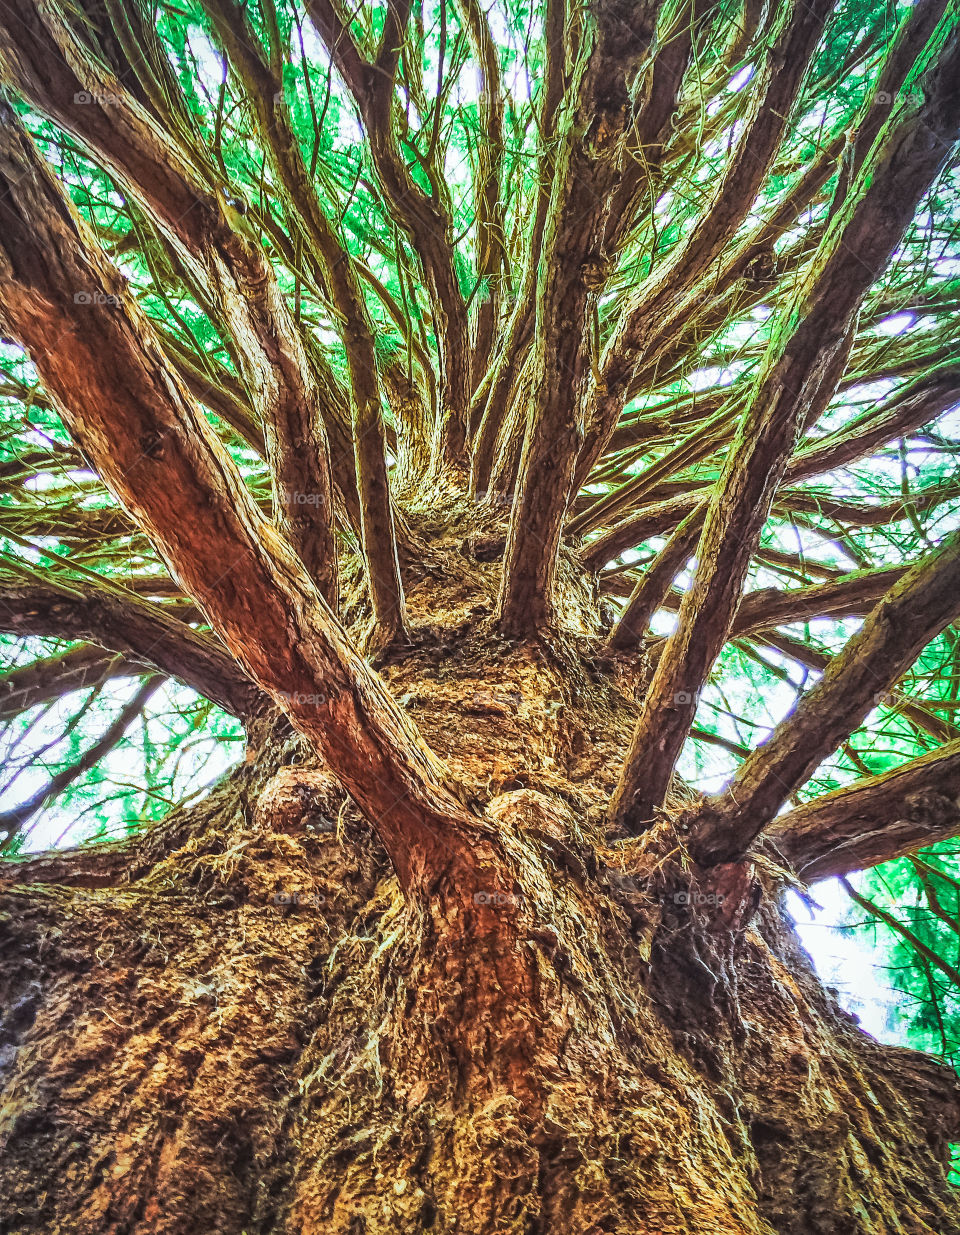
{"points": [[237, 1023], [419, 963]]}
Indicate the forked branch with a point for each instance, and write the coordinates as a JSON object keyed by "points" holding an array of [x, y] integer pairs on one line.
{"points": [[916, 609]]}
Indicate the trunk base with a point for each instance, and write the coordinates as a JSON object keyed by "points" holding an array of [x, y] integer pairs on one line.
{"points": [[247, 1028]]}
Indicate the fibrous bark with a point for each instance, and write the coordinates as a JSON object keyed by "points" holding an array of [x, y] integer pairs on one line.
{"points": [[239, 1023], [456, 948]]}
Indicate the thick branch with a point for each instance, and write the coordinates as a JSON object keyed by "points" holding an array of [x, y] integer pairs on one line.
{"points": [[126, 625], [609, 45], [158, 455], [921, 402], [912, 613], [46, 62], [662, 79], [850, 596], [915, 32], [43, 681], [490, 223], [427, 220], [654, 584], [299, 440], [662, 297], [874, 820]]}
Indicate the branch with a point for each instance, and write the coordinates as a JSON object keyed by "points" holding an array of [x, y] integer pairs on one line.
{"points": [[919, 403], [655, 582], [49, 64], [905, 932], [150, 442], [915, 32], [919, 714], [849, 596], [43, 681], [740, 283], [811, 335], [874, 820], [657, 519], [848, 514], [222, 394], [660, 88], [127, 626], [660, 305], [493, 263], [692, 449], [426, 220], [920, 605], [497, 394], [297, 446], [644, 345], [609, 42]]}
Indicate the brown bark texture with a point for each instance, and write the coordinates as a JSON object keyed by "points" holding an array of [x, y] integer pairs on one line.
{"points": [[362, 455], [239, 1023]]}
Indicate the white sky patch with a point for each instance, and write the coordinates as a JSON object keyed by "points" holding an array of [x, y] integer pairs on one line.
{"points": [[316, 54], [846, 961], [209, 62], [898, 324], [705, 379], [201, 759]]}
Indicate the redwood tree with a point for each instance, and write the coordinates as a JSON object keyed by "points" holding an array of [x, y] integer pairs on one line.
{"points": [[522, 418]]}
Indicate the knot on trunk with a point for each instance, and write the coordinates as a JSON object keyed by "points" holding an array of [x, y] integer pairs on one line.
{"points": [[299, 799]]}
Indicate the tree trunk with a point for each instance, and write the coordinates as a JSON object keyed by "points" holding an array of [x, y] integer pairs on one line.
{"points": [[238, 1023]]}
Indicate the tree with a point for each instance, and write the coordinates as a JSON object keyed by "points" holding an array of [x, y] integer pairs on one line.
{"points": [[511, 415]]}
